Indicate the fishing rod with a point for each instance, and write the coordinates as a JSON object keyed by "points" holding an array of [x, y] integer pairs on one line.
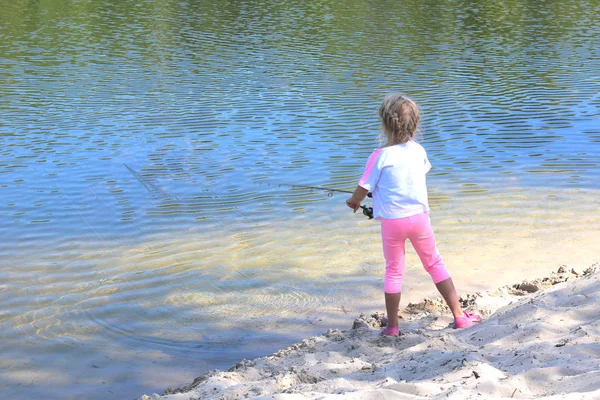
{"points": [[367, 211], [370, 195]]}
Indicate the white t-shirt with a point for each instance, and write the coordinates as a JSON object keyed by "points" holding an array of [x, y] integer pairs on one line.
{"points": [[396, 177]]}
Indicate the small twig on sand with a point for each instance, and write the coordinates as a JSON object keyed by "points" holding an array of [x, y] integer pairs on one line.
{"points": [[513, 395]]}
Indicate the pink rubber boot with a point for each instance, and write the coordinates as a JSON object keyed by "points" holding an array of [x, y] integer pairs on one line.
{"points": [[466, 321], [389, 331]]}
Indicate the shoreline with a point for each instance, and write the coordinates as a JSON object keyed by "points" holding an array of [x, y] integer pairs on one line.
{"points": [[538, 339]]}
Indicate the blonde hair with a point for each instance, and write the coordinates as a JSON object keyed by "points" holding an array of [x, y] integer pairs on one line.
{"points": [[399, 119]]}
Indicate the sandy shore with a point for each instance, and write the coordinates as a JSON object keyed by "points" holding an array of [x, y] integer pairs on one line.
{"points": [[539, 339]]}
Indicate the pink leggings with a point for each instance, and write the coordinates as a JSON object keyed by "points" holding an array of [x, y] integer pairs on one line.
{"points": [[417, 229]]}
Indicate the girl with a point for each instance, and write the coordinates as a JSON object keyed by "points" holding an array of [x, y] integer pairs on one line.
{"points": [[395, 174]]}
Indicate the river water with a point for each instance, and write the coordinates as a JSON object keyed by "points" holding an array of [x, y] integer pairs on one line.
{"points": [[149, 231]]}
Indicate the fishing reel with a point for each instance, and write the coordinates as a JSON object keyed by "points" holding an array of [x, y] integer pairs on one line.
{"points": [[367, 211]]}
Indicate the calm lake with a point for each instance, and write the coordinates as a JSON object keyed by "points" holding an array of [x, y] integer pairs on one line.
{"points": [[150, 230]]}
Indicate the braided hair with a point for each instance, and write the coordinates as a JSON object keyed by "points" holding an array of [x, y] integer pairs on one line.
{"points": [[399, 119]]}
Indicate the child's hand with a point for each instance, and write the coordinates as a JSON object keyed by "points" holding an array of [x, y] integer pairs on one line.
{"points": [[353, 204]]}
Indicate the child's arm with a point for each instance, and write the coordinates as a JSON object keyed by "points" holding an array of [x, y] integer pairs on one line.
{"points": [[357, 197]]}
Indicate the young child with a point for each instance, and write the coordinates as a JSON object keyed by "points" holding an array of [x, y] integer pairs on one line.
{"points": [[395, 174]]}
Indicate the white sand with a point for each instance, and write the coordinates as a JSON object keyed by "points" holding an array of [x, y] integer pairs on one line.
{"points": [[539, 339]]}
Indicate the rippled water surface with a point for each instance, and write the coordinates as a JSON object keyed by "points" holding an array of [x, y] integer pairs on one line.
{"points": [[149, 231]]}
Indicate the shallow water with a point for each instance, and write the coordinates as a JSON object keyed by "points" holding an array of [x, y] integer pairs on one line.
{"points": [[149, 232]]}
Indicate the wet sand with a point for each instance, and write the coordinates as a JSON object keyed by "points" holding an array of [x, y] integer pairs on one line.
{"points": [[539, 339]]}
